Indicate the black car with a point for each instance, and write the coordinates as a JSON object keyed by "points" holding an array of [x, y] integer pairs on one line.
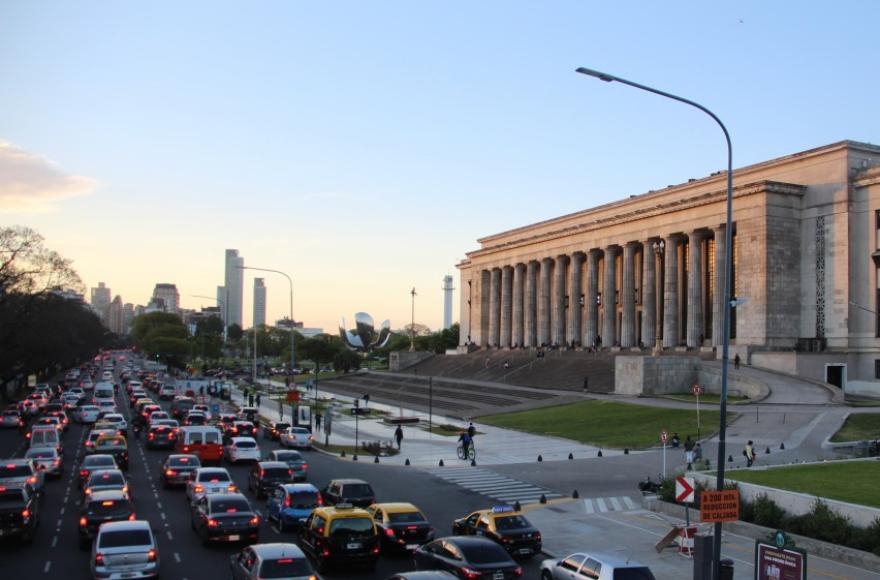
{"points": [[161, 437], [92, 463], [275, 429], [354, 491], [241, 429], [18, 512], [225, 517], [177, 469], [265, 475], [504, 525], [467, 557], [99, 508]]}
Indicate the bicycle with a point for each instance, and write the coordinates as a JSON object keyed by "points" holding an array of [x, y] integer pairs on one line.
{"points": [[472, 453]]}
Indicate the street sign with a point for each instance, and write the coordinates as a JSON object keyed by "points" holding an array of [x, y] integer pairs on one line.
{"points": [[292, 396], [684, 489], [773, 563], [697, 390], [664, 436], [215, 409], [719, 506]]}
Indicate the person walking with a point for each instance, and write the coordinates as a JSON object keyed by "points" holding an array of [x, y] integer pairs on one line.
{"points": [[398, 435], [318, 418], [698, 453], [689, 452], [258, 399], [676, 441], [749, 452], [736, 361]]}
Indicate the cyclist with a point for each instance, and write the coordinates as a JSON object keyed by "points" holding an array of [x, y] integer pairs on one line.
{"points": [[465, 439]]}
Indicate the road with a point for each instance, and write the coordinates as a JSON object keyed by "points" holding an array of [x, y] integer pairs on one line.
{"points": [[54, 550]]}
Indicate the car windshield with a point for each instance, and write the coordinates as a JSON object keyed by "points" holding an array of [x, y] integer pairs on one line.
{"points": [[15, 470], [633, 574], [304, 499], [299, 431], [245, 444], [124, 538], [357, 490], [213, 477], [285, 568], [106, 478], [276, 472], [351, 527], [288, 456], [485, 553], [230, 506], [183, 462], [108, 508], [98, 461], [406, 518], [511, 523], [11, 498]]}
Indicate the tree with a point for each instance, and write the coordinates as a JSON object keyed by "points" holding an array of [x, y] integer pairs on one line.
{"points": [[319, 349], [28, 268], [234, 332], [162, 334], [345, 360]]}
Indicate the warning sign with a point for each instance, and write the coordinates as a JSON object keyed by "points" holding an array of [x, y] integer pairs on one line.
{"points": [[719, 506]]}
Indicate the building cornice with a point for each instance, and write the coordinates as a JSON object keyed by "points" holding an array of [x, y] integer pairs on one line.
{"points": [[868, 177]]}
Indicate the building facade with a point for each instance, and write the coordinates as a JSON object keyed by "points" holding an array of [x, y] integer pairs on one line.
{"points": [[168, 296], [234, 288], [259, 302], [116, 316], [100, 301], [649, 271]]}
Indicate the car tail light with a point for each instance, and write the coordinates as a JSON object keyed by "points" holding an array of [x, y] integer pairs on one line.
{"points": [[389, 532], [198, 489], [186, 448], [212, 523], [231, 510], [99, 559], [320, 500], [412, 527], [290, 472], [132, 517], [151, 555], [57, 461], [25, 513], [470, 572], [287, 501], [88, 491], [83, 472], [170, 472], [125, 488], [376, 550], [305, 466], [83, 522], [152, 436], [28, 436], [517, 571], [32, 479], [262, 473], [326, 552], [231, 489], [255, 521], [107, 503], [537, 535]]}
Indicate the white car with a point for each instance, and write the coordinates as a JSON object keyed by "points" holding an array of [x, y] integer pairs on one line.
{"points": [[203, 409], [242, 449], [107, 376], [125, 549], [117, 419], [157, 416], [88, 413], [208, 480], [601, 567], [298, 437], [87, 384], [105, 405], [77, 391]]}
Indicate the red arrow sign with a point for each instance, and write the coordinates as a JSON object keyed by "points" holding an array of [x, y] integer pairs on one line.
{"points": [[684, 489]]}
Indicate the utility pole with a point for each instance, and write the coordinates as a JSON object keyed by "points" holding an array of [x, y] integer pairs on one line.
{"points": [[412, 325]]}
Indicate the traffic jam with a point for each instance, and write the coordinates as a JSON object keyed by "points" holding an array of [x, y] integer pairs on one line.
{"points": [[119, 437]]}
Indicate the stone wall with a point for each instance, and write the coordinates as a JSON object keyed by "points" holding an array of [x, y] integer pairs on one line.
{"points": [[401, 360], [653, 376]]}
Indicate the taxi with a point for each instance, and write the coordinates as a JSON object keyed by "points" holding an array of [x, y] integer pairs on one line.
{"points": [[343, 535], [402, 526], [114, 445], [504, 525]]}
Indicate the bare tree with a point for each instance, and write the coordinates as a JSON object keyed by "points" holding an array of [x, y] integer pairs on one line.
{"points": [[28, 268]]}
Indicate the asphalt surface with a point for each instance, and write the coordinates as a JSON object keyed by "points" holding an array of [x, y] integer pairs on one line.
{"points": [[54, 550]]}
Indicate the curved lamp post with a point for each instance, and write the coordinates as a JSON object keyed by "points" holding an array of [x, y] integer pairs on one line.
{"points": [[289, 281], [728, 251]]}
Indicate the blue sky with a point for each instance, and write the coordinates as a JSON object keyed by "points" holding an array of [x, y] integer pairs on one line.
{"points": [[364, 147]]}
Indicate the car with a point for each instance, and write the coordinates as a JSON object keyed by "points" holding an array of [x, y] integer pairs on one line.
{"points": [[110, 505], [402, 526], [241, 429], [467, 557], [156, 416], [114, 445], [294, 460], [21, 473], [225, 517], [19, 512], [117, 419], [225, 421], [599, 567], [45, 436], [178, 469], [203, 409], [195, 418], [135, 396], [11, 419], [504, 525], [147, 410], [95, 434], [249, 414], [77, 391], [423, 575], [46, 460], [103, 479], [159, 436], [125, 550], [92, 463], [343, 534], [354, 491], [70, 400], [181, 406], [291, 504], [49, 421], [209, 480], [242, 449], [87, 413], [167, 392], [204, 441], [298, 437], [270, 561], [105, 405], [275, 429], [265, 475]]}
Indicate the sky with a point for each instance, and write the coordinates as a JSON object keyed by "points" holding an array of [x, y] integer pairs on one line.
{"points": [[364, 147]]}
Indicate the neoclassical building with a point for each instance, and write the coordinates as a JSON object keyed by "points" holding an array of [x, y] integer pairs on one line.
{"points": [[648, 271]]}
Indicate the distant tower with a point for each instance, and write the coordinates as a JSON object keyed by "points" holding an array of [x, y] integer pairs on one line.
{"points": [[447, 301], [259, 302], [234, 287]]}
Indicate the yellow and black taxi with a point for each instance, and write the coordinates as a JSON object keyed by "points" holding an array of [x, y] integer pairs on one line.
{"points": [[114, 445], [343, 535], [504, 525], [402, 526]]}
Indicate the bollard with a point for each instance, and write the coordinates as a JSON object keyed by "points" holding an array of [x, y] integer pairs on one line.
{"points": [[354, 457], [730, 458], [473, 462], [543, 499], [599, 454], [626, 450], [575, 494], [516, 506], [342, 454], [440, 464], [767, 451], [571, 456], [782, 445], [406, 462], [376, 460], [540, 459]]}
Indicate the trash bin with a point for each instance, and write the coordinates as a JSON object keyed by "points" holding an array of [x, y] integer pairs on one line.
{"points": [[726, 569]]}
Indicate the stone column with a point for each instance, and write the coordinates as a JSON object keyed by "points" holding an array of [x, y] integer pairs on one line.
{"points": [[628, 298], [544, 303], [506, 306], [530, 305], [721, 272], [558, 319], [485, 284], [695, 290], [574, 299], [649, 298], [495, 307], [670, 294], [517, 337], [592, 330], [609, 320]]}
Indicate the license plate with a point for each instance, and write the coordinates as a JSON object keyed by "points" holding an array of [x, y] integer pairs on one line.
{"points": [[412, 546], [234, 538], [353, 546], [498, 576], [129, 575], [525, 551]]}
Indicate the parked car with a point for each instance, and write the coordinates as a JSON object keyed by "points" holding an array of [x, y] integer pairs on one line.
{"points": [[467, 557], [125, 548], [600, 567]]}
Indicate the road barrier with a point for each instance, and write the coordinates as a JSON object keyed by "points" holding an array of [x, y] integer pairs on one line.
{"points": [[406, 462], [540, 459], [575, 494], [440, 464], [571, 456]]}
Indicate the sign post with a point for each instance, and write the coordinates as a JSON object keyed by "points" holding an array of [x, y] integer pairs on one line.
{"points": [[779, 558], [698, 390], [684, 493], [663, 437], [719, 506]]}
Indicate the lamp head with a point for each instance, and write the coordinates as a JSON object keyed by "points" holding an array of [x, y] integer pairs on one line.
{"points": [[594, 73]]}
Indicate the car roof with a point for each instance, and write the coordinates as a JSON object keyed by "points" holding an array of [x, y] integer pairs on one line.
{"points": [[108, 494], [348, 481], [397, 507], [124, 526], [213, 470], [344, 512], [611, 560], [299, 488], [226, 496], [102, 456], [474, 541], [270, 464], [242, 439], [277, 550]]}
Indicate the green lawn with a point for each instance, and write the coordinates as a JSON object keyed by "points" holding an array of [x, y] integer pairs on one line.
{"points": [[708, 398], [609, 423], [858, 427], [448, 430], [850, 481]]}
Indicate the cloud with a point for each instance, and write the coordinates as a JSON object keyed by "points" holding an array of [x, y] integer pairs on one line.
{"points": [[32, 184]]}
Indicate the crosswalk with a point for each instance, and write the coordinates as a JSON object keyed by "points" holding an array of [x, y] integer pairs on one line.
{"points": [[490, 484], [622, 503]]}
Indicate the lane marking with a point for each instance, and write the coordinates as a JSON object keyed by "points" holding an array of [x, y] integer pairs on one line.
{"points": [[58, 524], [601, 503], [170, 537], [62, 511], [54, 541], [177, 557], [588, 505], [615, 505], [162, 514], [47, 566]]}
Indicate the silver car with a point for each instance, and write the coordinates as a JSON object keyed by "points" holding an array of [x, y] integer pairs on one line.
{"points": [[298, 437], [20, 472], [208, 480], [10, 419], [125, 550], [581, 565], [46, 459], [270, 561]]}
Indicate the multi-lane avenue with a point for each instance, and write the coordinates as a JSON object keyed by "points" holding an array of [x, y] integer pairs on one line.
{"points": [[55, 552]]}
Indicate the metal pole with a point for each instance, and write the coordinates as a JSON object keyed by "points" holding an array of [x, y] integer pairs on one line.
{"points": [[255, 357], [728, 265], [316, 397], [290, 282], [664, 460], [412, 325], [430, 404]]}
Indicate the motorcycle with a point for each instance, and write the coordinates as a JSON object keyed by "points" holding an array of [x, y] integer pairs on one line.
{"points": [[649, 486]]}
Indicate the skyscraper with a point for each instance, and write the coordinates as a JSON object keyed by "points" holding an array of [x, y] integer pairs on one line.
{"points": [[100, 301], [259, 302], [234, 287], [115, 316], [168, 295]]}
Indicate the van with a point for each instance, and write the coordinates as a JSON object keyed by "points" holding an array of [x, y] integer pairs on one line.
{"points": [[103, 392], [204, 442], [45, 437]]}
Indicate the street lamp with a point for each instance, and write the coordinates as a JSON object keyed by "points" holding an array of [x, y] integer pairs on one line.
{"points": [[659, 247], [412, 325], [728, 258], [289, 281]]}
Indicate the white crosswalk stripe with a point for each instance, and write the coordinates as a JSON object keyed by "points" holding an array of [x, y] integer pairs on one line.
{"points": [[493, 485], [622, 503]]}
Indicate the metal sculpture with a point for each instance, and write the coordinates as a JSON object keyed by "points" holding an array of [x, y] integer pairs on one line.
{"points": [[365, 338]]}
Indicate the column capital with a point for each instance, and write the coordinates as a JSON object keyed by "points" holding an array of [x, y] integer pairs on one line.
{"points": [[546, 260], [562, 257], [519, 266], [507, 267], [594, 251], [632, 244], [612, 249], [578, 256]]}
